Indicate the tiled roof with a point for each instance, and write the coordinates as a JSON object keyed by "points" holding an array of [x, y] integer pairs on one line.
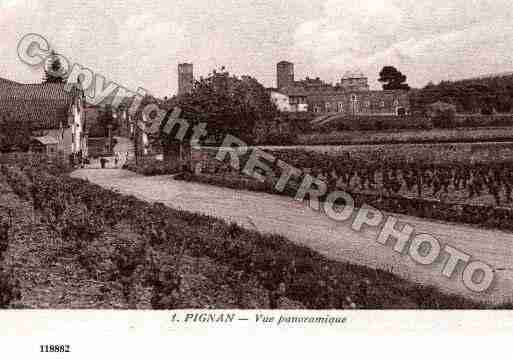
{"points": [[5, 81], [294, 91], [45, 106]]}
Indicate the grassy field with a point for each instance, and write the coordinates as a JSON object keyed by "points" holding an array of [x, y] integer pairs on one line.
{"points": [[486, 134]]}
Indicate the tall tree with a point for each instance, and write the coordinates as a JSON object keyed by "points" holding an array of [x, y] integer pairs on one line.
{"points": [[393, 79], [226, 104], [54, 72]]}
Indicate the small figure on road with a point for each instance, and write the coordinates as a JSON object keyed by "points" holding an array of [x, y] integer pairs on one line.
{"points": [[103, 161]]}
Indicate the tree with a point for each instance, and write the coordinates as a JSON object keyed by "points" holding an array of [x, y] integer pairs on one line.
{"points": [[54, 72], [393, 79], [228, 105], [480, 95], [14, 134], [443, 114], [225, 104]]}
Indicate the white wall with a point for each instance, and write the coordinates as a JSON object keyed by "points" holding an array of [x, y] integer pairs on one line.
{"points": [[77, 113], [281, 101]]}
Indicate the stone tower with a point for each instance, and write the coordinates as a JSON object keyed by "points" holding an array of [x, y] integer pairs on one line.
{"points": [[185, 78], [285, 74]]}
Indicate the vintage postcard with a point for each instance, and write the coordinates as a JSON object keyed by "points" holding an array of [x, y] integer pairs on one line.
{"points": [[326, 168]]}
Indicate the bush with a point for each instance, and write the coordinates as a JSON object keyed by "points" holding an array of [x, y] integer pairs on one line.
{"points": [[149, 166], [5, 226], [279, 139], [497, 120], [445, 119], [9, 290], [376, 123], [35, 160]]}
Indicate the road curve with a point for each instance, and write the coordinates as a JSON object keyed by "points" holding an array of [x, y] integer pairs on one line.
{"points": [[282, 215]]}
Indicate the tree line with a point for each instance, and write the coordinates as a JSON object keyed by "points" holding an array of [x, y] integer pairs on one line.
{"points": [[484, 96]]}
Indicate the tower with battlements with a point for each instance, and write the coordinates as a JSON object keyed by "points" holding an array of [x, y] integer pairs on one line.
{"points": [[185, 78], [284, 74]]}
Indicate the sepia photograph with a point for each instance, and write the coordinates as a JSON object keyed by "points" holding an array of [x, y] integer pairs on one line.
{"points": [[297, 161]]}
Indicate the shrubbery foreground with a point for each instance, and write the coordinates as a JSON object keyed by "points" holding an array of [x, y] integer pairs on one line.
{"points": [[80, 211]]}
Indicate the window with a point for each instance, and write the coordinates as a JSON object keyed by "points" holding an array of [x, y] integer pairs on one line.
{"points": [[340, 107]]}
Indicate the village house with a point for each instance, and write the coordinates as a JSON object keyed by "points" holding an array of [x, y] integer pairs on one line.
{"points": [[286, 103], [55, 115]]}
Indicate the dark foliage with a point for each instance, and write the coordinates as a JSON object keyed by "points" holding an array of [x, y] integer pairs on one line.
{"points": [[14, 134], [54, 71], [228, 104], [480, 96], [393, 79]]}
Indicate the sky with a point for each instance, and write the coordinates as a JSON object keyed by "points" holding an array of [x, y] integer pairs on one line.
{"points": [[140, 43]]}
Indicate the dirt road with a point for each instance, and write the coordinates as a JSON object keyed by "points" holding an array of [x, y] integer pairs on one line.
{"points": [[282, 215]]}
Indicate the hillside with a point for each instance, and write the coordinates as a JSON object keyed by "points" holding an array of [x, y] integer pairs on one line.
{"points": [[484, 94]]}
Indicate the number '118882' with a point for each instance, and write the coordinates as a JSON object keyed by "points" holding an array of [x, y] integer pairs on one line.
{"points": [[55, 348]]}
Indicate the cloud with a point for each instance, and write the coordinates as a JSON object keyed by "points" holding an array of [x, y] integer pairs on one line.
{"points": [[120, 41], [140, 43], [432, 40]]}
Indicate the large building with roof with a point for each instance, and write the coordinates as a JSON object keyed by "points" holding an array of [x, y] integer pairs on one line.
{"points": [[54, 113], [350, 96]]}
